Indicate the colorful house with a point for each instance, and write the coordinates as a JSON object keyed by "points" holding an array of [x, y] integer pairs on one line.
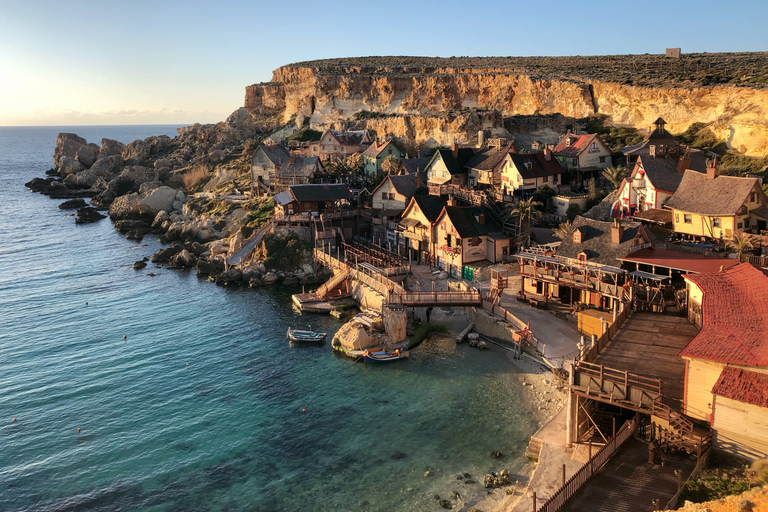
{"points": [[265, 164], [465, 235], [416, 227], [584, 155], [376, 153], [658, 141], [525, 172], [718, 207], [337, 145], [447, 167], [654, 179], [484, 168], [726, 364]]}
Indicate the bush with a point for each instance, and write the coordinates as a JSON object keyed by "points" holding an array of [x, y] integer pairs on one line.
{"points": [[196, 178], [283, 252], [572, 212]]}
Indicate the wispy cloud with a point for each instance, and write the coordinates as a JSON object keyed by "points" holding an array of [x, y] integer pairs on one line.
{"points": [[46, 117]]}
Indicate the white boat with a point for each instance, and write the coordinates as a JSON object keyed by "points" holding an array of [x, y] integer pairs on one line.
{"points": [[305, 335]]}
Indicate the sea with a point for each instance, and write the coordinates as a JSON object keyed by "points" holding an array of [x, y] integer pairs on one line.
{"points": [[120, 390]]}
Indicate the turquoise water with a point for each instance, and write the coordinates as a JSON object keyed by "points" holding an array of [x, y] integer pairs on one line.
{"points": [[205, 406]]}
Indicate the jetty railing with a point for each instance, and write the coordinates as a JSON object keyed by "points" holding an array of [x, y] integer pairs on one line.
{"points": [[592, 466], [495, 309], [437, 298], [590, 351]]}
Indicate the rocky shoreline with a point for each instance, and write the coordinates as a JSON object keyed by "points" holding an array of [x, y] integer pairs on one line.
{"points": [[188, 191]]}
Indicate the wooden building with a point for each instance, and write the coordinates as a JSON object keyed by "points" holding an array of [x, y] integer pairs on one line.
{"points": [[484, 168], [416, 227], [446, 167], [265, 165], [740, 413], [388, 200], [585, 156], [718, 207], [337, 145], [526, 172], [731, 307], [376, 153]]}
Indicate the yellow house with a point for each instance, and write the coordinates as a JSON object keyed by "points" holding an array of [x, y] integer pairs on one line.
{"points": [[528, 171], [719, 207], [731, 307], [447, 167], [416, 227]]}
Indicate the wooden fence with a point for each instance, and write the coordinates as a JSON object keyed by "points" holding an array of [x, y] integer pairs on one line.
{"points": [[700, 464], [592, 466], [518, 324], [589, 351], [758, 261]]}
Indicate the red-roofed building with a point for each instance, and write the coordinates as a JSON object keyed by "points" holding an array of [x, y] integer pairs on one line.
{"points": [[740, 413], [731, 307], [585, 155]]}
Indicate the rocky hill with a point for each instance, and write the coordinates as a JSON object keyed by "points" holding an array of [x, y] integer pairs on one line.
{"points": [[433, 100]]}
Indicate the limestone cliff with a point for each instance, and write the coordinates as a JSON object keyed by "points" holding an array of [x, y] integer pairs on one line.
{"points": [[437, 104]]}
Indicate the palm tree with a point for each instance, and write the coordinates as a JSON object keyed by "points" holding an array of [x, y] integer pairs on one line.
{"points": [[614, 175], [563, 230], [524, 209], [741, 243]]}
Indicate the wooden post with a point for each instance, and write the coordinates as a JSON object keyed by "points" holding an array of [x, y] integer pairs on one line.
{"points": [[534, 502], [614, 426], [590, 450], [563, 474]]}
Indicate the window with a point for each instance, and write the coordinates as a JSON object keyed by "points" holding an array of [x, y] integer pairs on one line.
{"points": [[716, 222], [753, 197], [687, 218], [593, 149], [546, 179], [740, 225], [677, 217], [448, 240], [602, 159]]}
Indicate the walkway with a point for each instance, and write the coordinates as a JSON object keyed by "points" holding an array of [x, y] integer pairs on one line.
{"points": [[629, 482], [248, 247]]}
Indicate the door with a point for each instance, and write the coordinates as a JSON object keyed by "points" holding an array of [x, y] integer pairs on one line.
{"points": [[469, 273]]}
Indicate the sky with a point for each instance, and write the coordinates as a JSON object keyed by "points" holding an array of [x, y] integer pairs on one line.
{"points": [[180, 62]]}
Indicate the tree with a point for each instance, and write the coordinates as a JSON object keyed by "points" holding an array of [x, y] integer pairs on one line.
{"points": [[354, 162], [741, 243], [614, 175], [544, 195], [525, 209], [563, 230], [572, 211], [390, 165]]}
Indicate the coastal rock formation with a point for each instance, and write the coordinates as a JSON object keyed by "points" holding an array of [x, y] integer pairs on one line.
{"points": [[408, 98], [353, 336], [87, 215]]}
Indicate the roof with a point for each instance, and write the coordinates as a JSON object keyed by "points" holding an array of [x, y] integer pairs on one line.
{"points": [[416, 165], [430, 206], [283, 198], [734, 313], [304, 193], [540, 166], [659, 215], [404, 184], [276, 153], [723, 195], [300, 167], [578, 144], [376, 148], [660, 133], [488, 159], [743, 386], [660, 171], [678, 260], [351, 137], [464, 220], [454, 165], [596, 241]]}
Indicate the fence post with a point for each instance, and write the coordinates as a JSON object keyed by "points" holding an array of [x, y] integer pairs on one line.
{"points": [[563, 474], [534, 502]]}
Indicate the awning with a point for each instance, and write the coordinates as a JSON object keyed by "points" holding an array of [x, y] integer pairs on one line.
{"points": [[438, 180], [284, 198], [761, 212], [648, 275]]}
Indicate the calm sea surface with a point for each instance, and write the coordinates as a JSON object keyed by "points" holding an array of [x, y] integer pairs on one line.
{"points": [[202, 406]]}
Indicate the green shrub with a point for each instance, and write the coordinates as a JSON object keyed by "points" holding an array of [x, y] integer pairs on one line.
{"points": [[283, 252]]}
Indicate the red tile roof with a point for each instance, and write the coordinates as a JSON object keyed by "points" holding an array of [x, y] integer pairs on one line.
{"points": [[578, 143], [734, 317], [743, 386], [678, 260]]}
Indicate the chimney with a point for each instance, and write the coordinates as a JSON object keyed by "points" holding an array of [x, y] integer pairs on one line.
{"points": [[416, 179], [451, 201], [480, 138], [683, 164], [455, 150], [712, 169], [292, 160], [547, 154], [617, 232]]}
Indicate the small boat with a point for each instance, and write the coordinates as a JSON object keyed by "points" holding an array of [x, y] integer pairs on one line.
{"points": [[305, 335], [379, 355]]}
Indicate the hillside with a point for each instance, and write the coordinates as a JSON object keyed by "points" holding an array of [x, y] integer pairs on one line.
{"points": [[433, 101]]}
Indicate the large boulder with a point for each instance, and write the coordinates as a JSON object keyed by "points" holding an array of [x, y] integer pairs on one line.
{"points": [[65, 152], [72, 204], [163, 164], [164, 255], [107, 166], [137, 152], [139, 174], [208, 266], [159, 144], [353, 336], [88, 214], [161, 222], [183, 259], [125, 207], [82, 179], [159, 199], [110, 147], [86, 156], [122, 185]]}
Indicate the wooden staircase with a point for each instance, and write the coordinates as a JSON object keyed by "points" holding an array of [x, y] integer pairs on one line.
{"points": [[332, 284], [682, 434]]}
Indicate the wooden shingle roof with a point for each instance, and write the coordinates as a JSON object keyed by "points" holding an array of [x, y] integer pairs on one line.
{"points": [[596, 241], [743, 386], [723, 195]]}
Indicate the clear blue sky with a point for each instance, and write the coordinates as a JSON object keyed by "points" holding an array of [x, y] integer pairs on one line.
{"points": [[139, 61]]}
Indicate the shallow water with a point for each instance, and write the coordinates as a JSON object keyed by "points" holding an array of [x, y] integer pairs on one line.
{"points": [[205, 405]]}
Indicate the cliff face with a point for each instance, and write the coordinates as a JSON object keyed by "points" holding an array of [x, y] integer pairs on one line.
{"points": [[424, 100]]}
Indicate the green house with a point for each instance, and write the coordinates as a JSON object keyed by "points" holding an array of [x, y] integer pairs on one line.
{"points": [[376, 153]]}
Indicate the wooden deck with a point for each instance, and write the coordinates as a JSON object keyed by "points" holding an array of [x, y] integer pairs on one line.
{"points": [[649, 344]]}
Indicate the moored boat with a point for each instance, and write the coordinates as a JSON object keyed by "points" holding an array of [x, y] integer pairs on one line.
{"points": [[305, 335], [378, 355]]}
